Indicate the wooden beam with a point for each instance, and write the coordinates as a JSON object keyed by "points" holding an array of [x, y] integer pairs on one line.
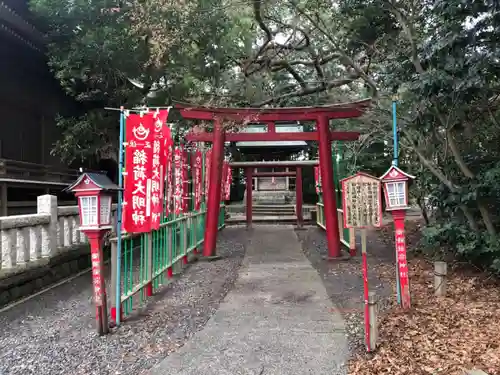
{"points": [[267, 117], [275, 174], [273, 137], [273, 164]]}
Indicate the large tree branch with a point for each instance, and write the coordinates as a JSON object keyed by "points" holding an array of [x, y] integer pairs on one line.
{"points": [[270, 43], [308, 90], [344, 58], [441, 177]]}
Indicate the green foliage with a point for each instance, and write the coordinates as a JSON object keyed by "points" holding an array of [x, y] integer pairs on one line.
{"points": [[139, 52], [441, 58]]}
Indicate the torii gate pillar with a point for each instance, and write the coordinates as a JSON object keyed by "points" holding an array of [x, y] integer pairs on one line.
{"points": [[214, 190], [329, 201]]}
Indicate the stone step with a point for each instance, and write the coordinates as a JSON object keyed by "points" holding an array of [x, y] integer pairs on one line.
{"points": [[273, 209], [273, 213], [269, 219], [273, 205]]}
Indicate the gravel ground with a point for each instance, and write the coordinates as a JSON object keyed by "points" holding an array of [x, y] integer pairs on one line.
{"points": [[344, 282], [54, 333]]}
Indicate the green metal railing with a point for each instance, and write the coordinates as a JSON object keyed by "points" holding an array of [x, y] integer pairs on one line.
{"points": [[149, 260], [347, 235]]}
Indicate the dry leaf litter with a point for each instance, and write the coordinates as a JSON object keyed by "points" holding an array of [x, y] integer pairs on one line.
{"points": [[439, 335]]}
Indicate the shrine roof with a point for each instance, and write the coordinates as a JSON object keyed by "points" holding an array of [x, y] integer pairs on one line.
{"points": [[340, 110]]}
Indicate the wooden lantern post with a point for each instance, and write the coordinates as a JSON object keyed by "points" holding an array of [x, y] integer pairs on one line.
{"points": [[395, 183], [94, 194]]}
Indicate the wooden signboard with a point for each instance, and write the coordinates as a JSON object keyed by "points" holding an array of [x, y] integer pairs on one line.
{"points": [[362, 204], [362, 201]]}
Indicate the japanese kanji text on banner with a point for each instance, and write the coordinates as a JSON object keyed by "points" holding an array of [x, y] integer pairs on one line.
{"points": [[197, 179], [158, 164], [138, 173], [178, 180], [317, 179]]}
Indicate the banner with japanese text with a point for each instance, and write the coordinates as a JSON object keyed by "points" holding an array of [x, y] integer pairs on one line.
{"points": [[317, 179], [167, 163], [138, 173], [197, 179], [185, 181], [229, 180], [169, 178], [178, 184], [224, 181], [159, 161], [208, 161]]}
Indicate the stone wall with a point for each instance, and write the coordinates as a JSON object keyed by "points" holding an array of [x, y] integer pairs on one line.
{"points": [[40, 249]]}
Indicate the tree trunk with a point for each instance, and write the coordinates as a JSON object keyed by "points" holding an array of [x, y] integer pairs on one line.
{"points": [[423, 209], [485, 214]]}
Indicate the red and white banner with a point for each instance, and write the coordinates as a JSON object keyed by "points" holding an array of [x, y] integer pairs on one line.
{"points": [[169, 188], [178, 183], [229, 180], [159, 161], [317, 178], [185, 182], [224, 181], [139, 172], [208, 161], [166, 191], [197, 179]]}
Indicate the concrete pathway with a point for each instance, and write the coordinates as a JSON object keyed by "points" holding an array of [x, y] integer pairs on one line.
{"points": [[277, 319]]}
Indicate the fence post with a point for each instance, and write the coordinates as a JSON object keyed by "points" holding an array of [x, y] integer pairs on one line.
{"points": [[440, 271], [195, 225], [373, 313], [170, 241], [185, 239], [47, 204], [114, 253], [149, 271]]}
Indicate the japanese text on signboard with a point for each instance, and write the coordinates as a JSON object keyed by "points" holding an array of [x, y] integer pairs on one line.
{"points": [[96, 275], [361, 195], [402, 264]]}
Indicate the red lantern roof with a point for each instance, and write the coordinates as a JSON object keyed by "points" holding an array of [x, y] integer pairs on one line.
{"points": [[92, 181], [396, 174]]}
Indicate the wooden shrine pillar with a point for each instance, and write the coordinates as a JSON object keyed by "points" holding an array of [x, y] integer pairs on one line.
{"points": [[299, 197], [329, 201], [248, 206], [215, 190]]}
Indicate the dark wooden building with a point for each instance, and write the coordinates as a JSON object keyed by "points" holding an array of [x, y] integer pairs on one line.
{"points": [[30, 98]]}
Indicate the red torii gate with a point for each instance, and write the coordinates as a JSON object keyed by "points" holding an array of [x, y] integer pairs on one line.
{"points": [[321, 116]]}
